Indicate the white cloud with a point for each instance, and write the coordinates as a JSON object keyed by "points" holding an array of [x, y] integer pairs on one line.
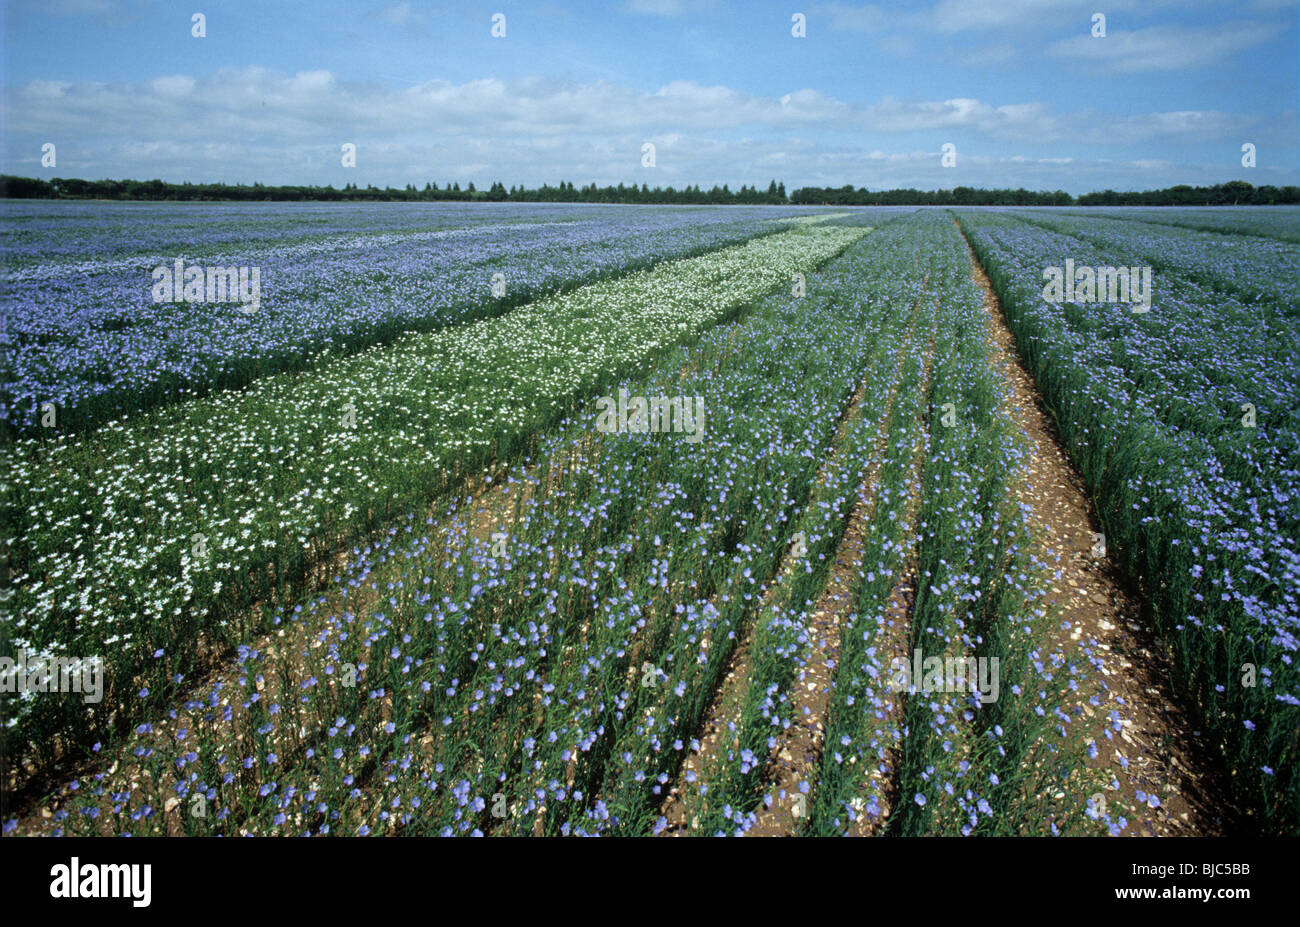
{"points": [[1161, 48], [947, 17], [315, 103], [1010, 30], [257, 124]]}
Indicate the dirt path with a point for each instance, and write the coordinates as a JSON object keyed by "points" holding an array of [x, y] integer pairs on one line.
{"points": [[1157, 749], [728, 700], [894, 635], [799, 745]]}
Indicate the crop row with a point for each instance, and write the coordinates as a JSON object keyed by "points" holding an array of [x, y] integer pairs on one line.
{"points": [[541, 662], [734, 783], [1000, 761], [538, 668], [162, 531], [1187, 437], [1278, 222], [1248, 267], [92, 343], [946, 573], [93, 237]]}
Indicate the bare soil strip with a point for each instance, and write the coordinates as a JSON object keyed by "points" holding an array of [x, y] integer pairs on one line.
{"points": [[729, 697], [1157, 750], [894, 636], [799, 746], [802, 739]]}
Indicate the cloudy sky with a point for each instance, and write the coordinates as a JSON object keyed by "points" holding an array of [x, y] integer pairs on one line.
{"points": [[723, 90]]}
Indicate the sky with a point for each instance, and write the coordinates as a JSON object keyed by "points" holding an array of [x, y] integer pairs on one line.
{"points": [[1024, 92]]}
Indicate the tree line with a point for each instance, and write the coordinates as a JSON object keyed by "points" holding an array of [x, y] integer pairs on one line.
{"points": [[564, 192], [1233, 193]]}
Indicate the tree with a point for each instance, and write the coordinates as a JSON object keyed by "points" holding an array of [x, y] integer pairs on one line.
{"points": [[1237, 191]]}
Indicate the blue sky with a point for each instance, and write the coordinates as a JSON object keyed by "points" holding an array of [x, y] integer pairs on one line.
{"points": [[723, 90]]}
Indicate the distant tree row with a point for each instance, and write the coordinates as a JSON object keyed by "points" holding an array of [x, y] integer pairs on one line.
{"points": [[565, 192], [1235, 192], [958, 196], [724, 195]]}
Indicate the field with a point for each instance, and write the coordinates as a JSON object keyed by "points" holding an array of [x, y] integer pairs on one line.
{"points": [[537, 520]]}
